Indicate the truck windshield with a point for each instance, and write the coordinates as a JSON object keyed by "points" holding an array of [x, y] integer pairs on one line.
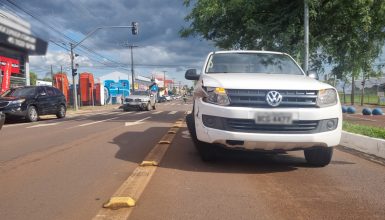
{"points": [[19, 92], [266, 63], [140, 93]]}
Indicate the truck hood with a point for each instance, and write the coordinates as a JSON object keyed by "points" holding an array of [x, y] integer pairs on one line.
{"points": [[10, 98], [262, 81], [143, 97]]}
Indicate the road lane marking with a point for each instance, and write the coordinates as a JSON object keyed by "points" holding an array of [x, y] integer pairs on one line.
{"points": [[124, 113], [136, 122], [158, 112], [14, 125], [172, 113], [95, 122], [43, 125], [136, 183], [140, 113]]}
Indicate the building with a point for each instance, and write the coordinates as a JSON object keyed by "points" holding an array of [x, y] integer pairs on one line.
{"points": [[16, 44]]}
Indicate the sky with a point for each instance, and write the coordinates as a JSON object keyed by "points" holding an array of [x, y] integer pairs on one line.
{"points": [[159, 46]]}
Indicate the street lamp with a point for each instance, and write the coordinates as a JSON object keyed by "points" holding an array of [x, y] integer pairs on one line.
{"points": [[135, 30]]}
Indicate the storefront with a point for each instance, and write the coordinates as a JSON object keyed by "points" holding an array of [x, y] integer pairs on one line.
{"points": [[16, 44]]}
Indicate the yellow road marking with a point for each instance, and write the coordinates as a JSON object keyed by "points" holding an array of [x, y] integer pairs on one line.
{"points": [[119, 202], [134, 186], [149, 163]]}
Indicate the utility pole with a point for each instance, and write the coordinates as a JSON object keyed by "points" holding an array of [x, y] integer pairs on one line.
{"points": [[74, 93], [135, 30], [62, 79], [52, 74], [164, 80], [132, 67], [306, 40]]}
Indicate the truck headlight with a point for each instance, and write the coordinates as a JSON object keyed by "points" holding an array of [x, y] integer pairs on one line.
{"points": [[217, 95], [17, 102], [327, 97]]}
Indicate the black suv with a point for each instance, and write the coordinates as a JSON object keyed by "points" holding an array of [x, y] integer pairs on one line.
{"points": [[31, 101], [2, 118]]}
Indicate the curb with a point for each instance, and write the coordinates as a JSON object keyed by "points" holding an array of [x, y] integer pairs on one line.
{"points": [[93, 109], [374, 146]]}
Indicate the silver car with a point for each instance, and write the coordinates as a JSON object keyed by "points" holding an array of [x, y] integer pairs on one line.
{"points": [[140, 100]]}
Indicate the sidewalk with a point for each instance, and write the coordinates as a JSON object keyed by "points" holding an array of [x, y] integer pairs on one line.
{"points": [[88, 109]]}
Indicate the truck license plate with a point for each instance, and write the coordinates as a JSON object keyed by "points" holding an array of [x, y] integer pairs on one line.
{"points": [[273, 118]]}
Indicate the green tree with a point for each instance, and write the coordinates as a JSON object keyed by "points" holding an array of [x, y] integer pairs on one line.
{"points": [[245, 24], [32, 78], [347, 34], [48, 79], [352, 33]]}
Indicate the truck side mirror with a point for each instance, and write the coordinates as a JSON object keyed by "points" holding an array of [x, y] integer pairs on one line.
{"points": [[191, 74], [312, 74]]}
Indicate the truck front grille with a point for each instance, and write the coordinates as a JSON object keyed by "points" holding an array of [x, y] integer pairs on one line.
{"points": [[249, 126], [257, 98]]}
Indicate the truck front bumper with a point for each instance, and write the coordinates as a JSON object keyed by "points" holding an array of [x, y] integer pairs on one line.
{"points": [[261, 139]]}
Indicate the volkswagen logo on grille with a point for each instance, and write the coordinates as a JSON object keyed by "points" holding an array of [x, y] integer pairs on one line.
{"points": [[273, 98]]}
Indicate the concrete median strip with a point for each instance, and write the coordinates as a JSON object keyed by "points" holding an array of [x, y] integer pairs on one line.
{"points": [[363, 144], [130, 191]]}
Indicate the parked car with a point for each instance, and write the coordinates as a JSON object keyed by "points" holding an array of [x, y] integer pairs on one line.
{"points": [[263, 101], [140, 100], [32, 101], [162, 99], [2, 119]]}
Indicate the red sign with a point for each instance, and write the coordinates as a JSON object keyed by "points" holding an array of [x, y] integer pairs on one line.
{"points": [[8, 66]]}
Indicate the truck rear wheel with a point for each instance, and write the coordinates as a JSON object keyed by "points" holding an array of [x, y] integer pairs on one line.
{"points": [[319, 157]]}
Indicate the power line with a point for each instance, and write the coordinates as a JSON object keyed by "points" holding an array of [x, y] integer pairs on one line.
{"points": [[89, 51]]}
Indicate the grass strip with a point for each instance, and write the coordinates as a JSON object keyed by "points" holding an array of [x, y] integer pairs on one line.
{"points": [[369, 131]]}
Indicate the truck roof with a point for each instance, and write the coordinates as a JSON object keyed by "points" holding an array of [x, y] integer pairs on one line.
{"points": [[247, 51]]}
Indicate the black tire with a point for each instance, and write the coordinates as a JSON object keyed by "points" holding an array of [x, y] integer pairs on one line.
{"points": [[319, 157], [208, 152], [62, 112], [32, 114]]}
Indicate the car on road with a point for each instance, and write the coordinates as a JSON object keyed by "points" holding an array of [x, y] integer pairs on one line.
{"points": [[2, 119], [162, 99], [263, 101], [140, 100], [30, 102]]}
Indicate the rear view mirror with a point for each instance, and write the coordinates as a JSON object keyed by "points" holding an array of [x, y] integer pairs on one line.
{"points": [[191, 74]]}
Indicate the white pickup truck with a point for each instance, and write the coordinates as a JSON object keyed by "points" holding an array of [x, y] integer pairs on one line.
{"points": [[260, 100]]}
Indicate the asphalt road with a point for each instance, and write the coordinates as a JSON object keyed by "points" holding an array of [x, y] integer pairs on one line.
{"points": [[66, 169]]}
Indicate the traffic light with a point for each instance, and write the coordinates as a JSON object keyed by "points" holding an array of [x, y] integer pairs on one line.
{"points": [[74, 72], [135, 28], [362, 83]]}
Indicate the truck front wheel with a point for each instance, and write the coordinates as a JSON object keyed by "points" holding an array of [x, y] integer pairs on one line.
{"points": [[208, 152], [319, 156]]}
